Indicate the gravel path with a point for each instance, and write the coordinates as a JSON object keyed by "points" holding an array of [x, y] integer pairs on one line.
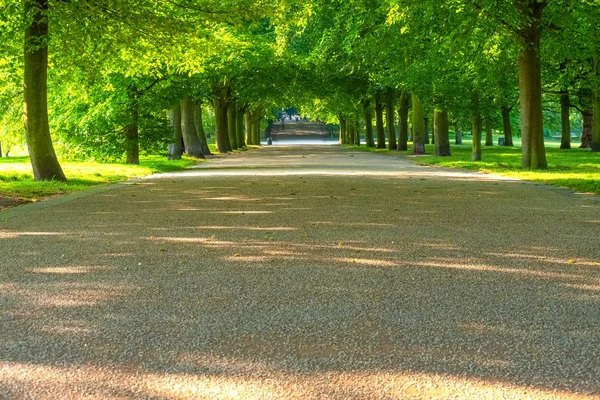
{"points": [[304, 273]]}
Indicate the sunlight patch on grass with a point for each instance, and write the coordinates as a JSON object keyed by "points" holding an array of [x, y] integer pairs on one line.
{"points": [[16, 177], [576, 169]]}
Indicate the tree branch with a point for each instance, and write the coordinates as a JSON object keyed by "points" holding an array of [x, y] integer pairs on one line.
{"points": [[502, 22]]}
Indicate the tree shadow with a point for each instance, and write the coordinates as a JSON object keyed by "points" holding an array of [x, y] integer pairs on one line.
{"points": [[408, 289]]}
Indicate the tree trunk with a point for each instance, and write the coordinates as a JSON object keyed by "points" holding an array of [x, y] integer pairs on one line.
{"points": [[418, 126], [198, 124], [596, 122], [347, 131], [175, 147], [379, 123], [441, 133], [565, 121], [477, 127], [370, 142], [508, 139], [426, 130], [193, 147], [356, 133], [257, 119], [132, 138], [249, 128], [457, 134], [223, 145], [342, 129], [389, 120], [232, 124], [351, 132], [43, 158], [239, 128], [403, 123], [489, 137], [530, 90], [588, 127]]}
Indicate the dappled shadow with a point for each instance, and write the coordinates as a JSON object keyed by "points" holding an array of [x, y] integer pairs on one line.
{"points": [[304, 288]]}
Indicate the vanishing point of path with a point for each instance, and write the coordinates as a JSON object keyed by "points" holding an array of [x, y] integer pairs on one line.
{"points": [[303, 273]]}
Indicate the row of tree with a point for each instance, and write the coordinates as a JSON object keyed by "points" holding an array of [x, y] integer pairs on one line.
{"points": [[115, 77], [468, 62], [109, 78]]}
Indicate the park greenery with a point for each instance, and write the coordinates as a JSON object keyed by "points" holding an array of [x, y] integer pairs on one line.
{"points": [[577, 169], [116, 80]]}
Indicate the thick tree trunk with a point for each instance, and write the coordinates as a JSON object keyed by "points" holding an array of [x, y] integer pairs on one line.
{"points": [[379, 123], [223, 145], [596, 122], [132, 137], [369, 141], [530, 90], [588, 128], [43, 158], [175, 149], [256, 132], [239, 128], [193, 147], [458, 138], [418, 126], [508, 139], [441, 133], [565, 121], [457, 134], [389, 121], [403, 123], [356, 132], [351, 132], [426, 130], [342, 129], [347, 132], [249, 128], [232, 124], [489, 138], [198, 124]]}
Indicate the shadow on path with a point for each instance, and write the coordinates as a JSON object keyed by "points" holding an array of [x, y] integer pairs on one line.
{"points": [[304, 286]]}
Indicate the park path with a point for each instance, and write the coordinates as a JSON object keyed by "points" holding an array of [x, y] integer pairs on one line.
{"points": [[305, 273]]}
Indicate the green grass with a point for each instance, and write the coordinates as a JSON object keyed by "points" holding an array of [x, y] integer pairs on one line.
{"points": [[576, 169], [16, 178]]}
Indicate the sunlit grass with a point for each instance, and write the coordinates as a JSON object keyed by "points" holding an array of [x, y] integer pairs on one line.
{"points": [[16, 177], [577, 169]]}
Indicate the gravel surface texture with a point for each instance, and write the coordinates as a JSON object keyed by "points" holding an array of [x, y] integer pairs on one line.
{"points": [[304, 273]]}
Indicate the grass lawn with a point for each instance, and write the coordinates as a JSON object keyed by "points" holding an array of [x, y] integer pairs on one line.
{"points": [[16, 178], [18, 187], [577, 169]]}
